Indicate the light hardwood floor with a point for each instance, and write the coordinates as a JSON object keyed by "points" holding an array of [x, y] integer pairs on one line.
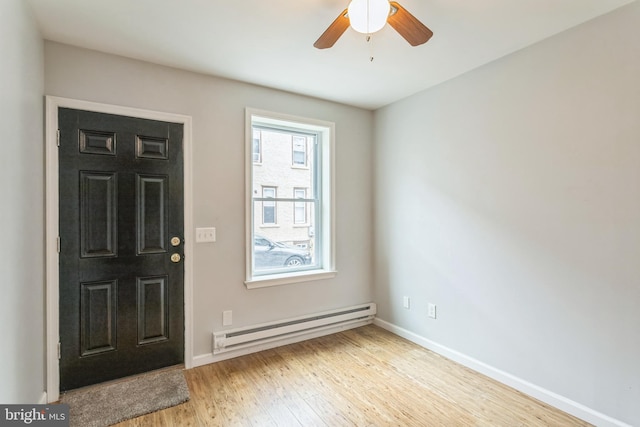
{"points": [[361, 377]]}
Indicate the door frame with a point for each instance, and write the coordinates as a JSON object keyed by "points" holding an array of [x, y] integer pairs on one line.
{"points": [[52, 103]]}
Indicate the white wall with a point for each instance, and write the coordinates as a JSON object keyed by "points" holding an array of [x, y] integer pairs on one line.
{"points": [[21, 206], [218, 110], [510, 197]]}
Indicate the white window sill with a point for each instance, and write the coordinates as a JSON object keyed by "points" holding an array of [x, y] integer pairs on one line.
{"points": [[289, 278]]}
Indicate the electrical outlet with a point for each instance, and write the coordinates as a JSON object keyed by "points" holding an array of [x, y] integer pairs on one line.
{"points": [[431, 311], [406, 303], [227, 318], [205, 235]]}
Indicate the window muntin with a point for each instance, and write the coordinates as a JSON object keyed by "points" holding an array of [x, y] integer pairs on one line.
{"points": [[289, 194]]}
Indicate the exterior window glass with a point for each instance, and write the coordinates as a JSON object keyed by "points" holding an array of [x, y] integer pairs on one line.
{"points": [[268, 206], [257, 149], [299, 208], [299, 150]]}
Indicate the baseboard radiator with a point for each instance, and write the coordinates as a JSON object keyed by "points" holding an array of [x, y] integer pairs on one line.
{"points": [[290, 328]]}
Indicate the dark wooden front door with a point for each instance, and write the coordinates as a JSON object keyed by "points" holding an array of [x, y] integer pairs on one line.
{"points": [[121, 233]]}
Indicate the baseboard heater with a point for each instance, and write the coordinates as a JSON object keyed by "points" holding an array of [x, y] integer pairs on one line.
{"points": [[286, 329]]}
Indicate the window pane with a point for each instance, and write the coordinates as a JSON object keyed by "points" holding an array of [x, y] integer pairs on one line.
{"points": [[284, 247], [284, 222]]}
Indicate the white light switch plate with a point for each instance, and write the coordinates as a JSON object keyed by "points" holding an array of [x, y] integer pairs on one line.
{"points": [[205, 234]]}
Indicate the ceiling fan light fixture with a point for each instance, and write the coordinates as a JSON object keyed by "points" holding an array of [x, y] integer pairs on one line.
{"points": [[368, 16]]}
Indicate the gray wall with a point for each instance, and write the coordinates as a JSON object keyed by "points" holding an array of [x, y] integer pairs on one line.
{"points": [[510, 197], [22, 206], [218, 110]]}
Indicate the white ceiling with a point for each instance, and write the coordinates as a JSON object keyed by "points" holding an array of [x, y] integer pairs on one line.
{"points": [[270, 43]]}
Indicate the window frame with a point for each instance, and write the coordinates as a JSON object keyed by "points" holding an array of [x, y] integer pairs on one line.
{"points": [[325, 233]]}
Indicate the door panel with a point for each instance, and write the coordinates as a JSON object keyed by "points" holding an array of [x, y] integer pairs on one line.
{"points": [[151, 208], [98, 327], [121, 201], [152, 310], [98, 214]]}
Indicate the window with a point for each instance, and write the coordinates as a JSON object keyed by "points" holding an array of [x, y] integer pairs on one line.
{"points": [[290, 230], [268, 206], [299, 208], [257, 147], [299, 150]]}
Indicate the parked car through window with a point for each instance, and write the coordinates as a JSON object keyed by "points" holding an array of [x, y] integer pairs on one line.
{"points": [[269, 254]]}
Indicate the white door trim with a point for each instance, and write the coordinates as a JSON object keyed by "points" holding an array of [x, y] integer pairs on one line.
{"points": [[52, 232]]}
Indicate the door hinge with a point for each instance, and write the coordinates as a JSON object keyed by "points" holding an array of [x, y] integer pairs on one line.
{"points": [[58, 137], [58, 243], [59, 351]]}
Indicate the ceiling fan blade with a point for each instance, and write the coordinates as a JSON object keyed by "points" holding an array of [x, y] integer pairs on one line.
{"points": [[408, 26], [333, 33]]}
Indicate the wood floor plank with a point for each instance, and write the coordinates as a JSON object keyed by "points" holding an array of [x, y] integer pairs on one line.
{"points": [[279, 384], [204, 406], [360, 377]]}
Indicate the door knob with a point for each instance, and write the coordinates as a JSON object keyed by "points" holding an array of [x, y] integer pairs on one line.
{"points": [[175, 257]]}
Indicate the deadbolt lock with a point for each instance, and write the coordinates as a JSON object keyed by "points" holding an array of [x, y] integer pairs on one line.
{"points": [[175, 258], [175, 241]]}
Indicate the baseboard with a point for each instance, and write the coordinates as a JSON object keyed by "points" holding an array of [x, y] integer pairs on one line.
{"points": [[205, 359], [567, 405], [43, 399]]}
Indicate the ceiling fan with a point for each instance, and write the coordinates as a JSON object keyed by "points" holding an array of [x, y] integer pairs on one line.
{"points": [[369, 16]]}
